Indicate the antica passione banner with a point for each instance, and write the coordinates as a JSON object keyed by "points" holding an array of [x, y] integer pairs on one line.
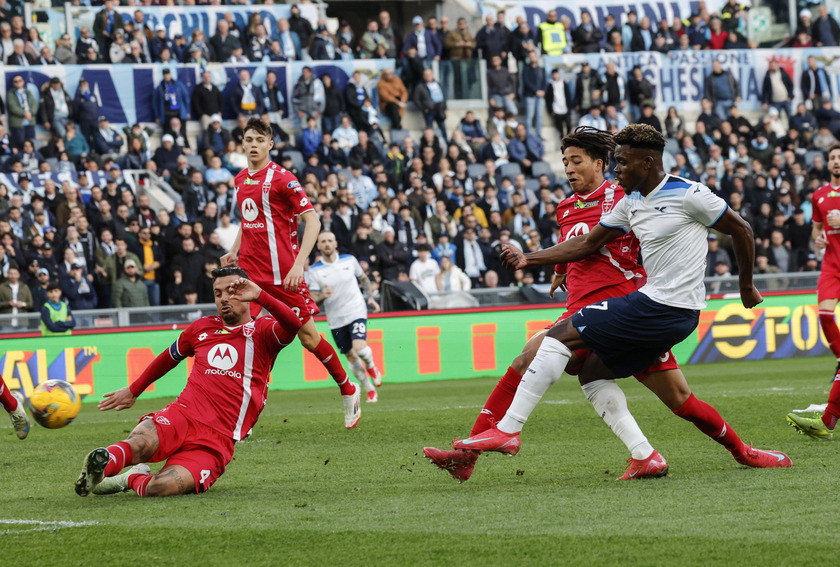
{"points": [[414, 348]]}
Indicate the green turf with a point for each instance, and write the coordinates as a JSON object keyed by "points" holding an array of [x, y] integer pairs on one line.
{"points": [[305, 491]]}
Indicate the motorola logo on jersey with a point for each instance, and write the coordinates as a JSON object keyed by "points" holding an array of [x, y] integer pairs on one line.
{"points": [[249, 210], [222, 356]]}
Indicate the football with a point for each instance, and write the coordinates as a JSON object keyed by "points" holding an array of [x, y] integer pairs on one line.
{"points": [[54, 404]]}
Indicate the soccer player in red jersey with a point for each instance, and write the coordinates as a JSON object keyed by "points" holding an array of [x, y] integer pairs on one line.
{"points": [[611, 272], [14, 406], [225, 393], [271, 200], [826, 234]]}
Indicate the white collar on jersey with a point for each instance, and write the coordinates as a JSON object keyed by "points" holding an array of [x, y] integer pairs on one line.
{"points": [[256, 171]]}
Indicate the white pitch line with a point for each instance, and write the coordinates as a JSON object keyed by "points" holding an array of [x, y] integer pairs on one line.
{"points": [[41, 526]]}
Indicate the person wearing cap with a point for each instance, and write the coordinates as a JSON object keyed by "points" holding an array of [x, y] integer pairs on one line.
{"points": [[423, 40], [106, 140], [170, 99], [86, 110], [214, 140], [206, 101], [39, 288], [56, 107], [324, 46], [129, 290], [166, 156], [56, 315]]}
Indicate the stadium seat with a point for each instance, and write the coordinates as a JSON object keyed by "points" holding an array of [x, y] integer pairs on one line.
{"points": [[532, 184], [672, 145], [475, 170], [196, 161], [542, 168], [398, 135], [510, 170], [297, 159], [809, 157], [298, 141], [53, 164]]}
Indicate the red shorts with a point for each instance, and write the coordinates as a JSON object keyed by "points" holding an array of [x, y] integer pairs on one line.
{"points": [[193, 445], [665, 362], [828, 286], [298, 301]]}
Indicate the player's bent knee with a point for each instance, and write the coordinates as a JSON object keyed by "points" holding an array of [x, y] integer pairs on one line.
{"points": [[170, 483]]}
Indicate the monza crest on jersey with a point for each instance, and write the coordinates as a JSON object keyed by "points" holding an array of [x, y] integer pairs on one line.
{"points": [[248, 328]]}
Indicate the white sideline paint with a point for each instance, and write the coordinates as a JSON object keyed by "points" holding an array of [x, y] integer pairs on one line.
{"points": [[40, 526]]}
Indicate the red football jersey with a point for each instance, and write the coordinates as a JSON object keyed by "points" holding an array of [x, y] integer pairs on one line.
{"points": [[227, 386], [825, 199], [270, 201], [615, 263]]}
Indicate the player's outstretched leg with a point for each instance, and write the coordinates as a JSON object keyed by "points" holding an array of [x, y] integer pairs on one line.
{"points": [[93, 471], [14, 406], [670, 386], [121, 482]]}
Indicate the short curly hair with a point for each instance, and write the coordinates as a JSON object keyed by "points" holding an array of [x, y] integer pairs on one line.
{"points": [[641, 136], [596, 143]]}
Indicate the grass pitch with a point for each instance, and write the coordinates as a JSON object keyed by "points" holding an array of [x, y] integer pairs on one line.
{"points": [[304, 491]]}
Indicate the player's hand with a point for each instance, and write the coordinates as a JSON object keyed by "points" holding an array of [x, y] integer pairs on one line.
{"points": [[750, 297], [327, 292], [119, 400], [228, 259], [513, 258], [833, 218], [820, 242], [559, 280], [294, 278], [244, 290], [375, 305]]}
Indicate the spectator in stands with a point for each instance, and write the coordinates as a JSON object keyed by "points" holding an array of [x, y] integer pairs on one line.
{"points": [[15, 296], [558, 98], [533, 90], [106, 140], [393, 97], [490, 40], [324, 46], [78, 290], [22, 107], [198, 41], [129, 289], [223, 42], [716, 35], [803, 121], [424, 40], [716, 256], [86, 110], [587, 89], [815, 83], [354, 95], [171, 100], [106, 23], [587, 36], [500, 86], [56, 315], [825, 31], [289, 40], [526, 148], [119, 49], [166, 156], [308, 98], [459, 45], [616, 121], [722, 89], [259, 44], [161, 41], [6, 42], [245, 97], [648, 117], [392, 33], [152, 265], [19, 57], [430, 99], [84, 44], [64, 50], [310, 137], [372, 40], [593, 119], [214, 140], [424, 270], [631, 36], [206, 100], [55, 107]]}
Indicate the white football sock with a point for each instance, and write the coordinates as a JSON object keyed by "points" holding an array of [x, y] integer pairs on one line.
{"points": [[366, 355], [545, 370], [610, 403], [360, 374]]}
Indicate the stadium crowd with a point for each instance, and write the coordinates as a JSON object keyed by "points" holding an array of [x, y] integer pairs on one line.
{"points": [[435, 210]]}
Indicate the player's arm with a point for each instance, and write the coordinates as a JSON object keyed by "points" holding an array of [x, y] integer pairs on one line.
{"points": [[310, 235], [364, 283], [230, 258], [564, 252], [318, 296], [743, 242], [287, 321], [124, 398]]}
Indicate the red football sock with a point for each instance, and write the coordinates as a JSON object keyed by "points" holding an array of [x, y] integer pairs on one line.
{"points": [[498, 402], [7, 400], [329, 358], [832, 410], [138, 483], [831, 332], [708, 420], [121, 455]]}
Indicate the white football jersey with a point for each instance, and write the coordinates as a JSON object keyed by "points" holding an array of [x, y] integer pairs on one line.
{"points": [[346, 304], [671, 224]]}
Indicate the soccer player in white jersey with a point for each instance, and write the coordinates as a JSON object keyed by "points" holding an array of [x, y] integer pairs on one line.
{"points": [[225, 393], [670, 216], [334, 281]]}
